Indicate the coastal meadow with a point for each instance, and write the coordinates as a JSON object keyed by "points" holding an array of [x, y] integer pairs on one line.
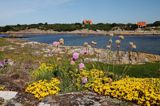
{"points": [[71, 72], [56, 69]]}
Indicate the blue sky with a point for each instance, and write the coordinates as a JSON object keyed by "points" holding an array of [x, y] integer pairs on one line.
{"points": [[70, 11]]}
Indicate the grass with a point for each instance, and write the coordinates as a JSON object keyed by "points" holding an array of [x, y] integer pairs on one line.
{"points": [[147, 70], [4, 42], [1, 55], [23, 55]]}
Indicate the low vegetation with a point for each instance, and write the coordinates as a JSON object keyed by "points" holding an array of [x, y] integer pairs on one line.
{"points": [[61, 73], [143, 91], [43, 88]]}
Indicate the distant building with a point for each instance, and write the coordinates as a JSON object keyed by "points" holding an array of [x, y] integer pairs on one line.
{"points": [[87, 22], [141, 24]]}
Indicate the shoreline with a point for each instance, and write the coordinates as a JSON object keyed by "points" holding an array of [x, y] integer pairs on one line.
{"points": [[65, 46], [85, 32], [103, 53]]}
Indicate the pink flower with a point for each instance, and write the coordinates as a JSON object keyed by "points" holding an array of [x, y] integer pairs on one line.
{"points": [[81, 66], [2, 64], [72, 62], [84, 51], [84, 80], [75, 56], [56, 44]]}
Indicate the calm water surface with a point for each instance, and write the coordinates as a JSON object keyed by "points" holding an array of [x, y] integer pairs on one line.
{"points": [[148, 44]]}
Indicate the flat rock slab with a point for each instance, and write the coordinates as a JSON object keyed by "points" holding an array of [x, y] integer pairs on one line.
{"points": [[7, 95], [82, 99]]}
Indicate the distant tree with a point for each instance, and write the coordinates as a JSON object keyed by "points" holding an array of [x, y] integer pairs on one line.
{"points": [[131, 26], [1, 28], [157, 23], [114, 25], [74, 26], [18, 25], [7, 28], [40, 23]]}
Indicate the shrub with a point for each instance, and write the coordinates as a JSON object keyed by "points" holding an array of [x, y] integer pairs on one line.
{"points": [[44, 71]]}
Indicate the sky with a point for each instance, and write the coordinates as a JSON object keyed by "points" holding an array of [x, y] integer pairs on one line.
{"points": [[14, 12]]}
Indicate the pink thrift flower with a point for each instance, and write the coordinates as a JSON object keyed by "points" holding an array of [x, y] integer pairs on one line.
{"points": [[56, 44], [81, 66], [84, 52], [72, 62], [2, 64], [75, 56], [84, 80]]}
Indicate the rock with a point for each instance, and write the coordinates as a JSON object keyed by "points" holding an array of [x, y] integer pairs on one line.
{"points": [[25, 99], [7, 98], [11, 48], [7, 95], [43, 104], [1, 101], [81, 99], [125, 60], [104, 103], [146, 60], [12, 102]]}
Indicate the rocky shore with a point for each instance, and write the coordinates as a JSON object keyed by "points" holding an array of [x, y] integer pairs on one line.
{"points": [[95, 54], [84, 31]]}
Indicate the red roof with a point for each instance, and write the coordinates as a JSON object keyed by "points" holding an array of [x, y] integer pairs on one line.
{"points": [[141, 24], [87, 21]]}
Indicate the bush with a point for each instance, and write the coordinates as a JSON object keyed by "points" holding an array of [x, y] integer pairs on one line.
{"points": [[44, 71]]}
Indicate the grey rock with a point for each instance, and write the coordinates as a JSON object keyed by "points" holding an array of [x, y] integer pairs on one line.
{"points": [[1, 101], [82, 99], [7, 95]]}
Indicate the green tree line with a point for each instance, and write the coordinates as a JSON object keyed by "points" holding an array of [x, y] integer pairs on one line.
{"points": [[74, 26]]}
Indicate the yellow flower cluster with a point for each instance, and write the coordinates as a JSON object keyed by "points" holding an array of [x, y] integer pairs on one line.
{"points": [[2, 87], [92, 76], [93, 73], [43, 68], [43, 88], [144, 91]]}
